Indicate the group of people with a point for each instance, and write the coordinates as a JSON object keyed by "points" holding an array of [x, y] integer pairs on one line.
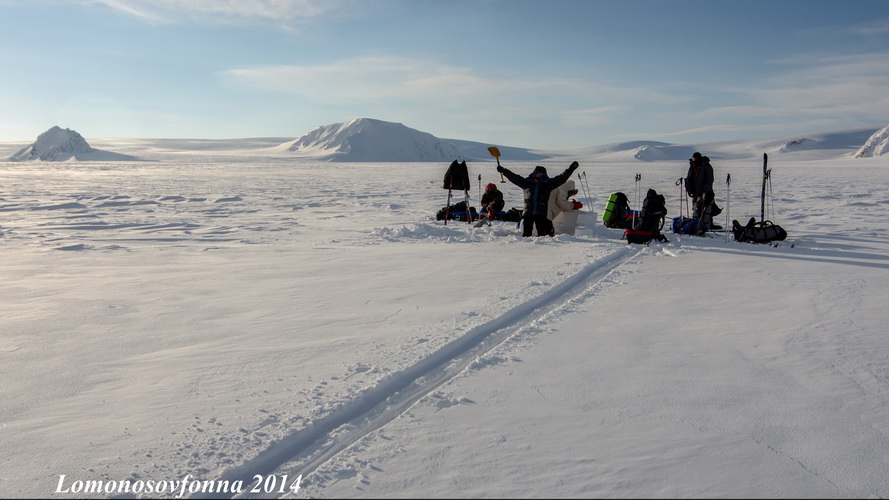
{"points": [[546, 197], [699, 186]]}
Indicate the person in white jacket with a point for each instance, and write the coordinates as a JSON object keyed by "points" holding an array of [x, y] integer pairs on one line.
{"points": [[560, 203], [559, 200]]}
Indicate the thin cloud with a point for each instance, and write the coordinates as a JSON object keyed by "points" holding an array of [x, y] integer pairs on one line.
{"points": [[874, 28], [816, 88], [699, 130], [229, 11], [408, 79], [593, 116], [384, 85], [375, 77]]}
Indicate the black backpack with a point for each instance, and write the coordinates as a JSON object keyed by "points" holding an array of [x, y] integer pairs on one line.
{"points": [[512, 215], [754, 232], [454, 211], [653, 215], [654, 211]]}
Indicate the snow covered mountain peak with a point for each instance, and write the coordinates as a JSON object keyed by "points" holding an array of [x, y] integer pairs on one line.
{"points": [[366, 139], [56, 144], [799, 144], [877, 145]]}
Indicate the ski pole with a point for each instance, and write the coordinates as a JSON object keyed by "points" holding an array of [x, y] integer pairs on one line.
{"points": [[765, 178], [685, 199], [728, 203], [468, 208], [580, 180], [679, 183], [636, 195], [771, 202], [589, 193], [448, 209], [586, 191]]}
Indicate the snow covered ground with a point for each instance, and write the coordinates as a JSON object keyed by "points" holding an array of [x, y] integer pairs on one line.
{"points": [[204, 315]]}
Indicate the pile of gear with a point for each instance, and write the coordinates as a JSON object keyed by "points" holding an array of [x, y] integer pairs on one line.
{"points": [[548, 199]]}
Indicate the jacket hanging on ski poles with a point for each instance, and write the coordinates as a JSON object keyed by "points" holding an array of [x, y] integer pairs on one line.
{"points": [[457, 177]]}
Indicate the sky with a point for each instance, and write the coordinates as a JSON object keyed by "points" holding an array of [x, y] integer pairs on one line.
{"points": [[553, 74]]}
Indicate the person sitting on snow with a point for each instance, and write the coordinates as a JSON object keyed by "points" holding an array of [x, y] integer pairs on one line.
{"points": [[559, 200], [537, 187], [492, 201]]}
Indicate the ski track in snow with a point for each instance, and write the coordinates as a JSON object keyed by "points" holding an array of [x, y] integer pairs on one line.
{"points": [[306, 450]]}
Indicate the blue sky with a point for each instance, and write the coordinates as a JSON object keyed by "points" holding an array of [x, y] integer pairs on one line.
{"points": [[549, 74]]}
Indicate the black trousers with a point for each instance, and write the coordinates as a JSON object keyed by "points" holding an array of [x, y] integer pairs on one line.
{"points": [[544, 225], [702, 208]]}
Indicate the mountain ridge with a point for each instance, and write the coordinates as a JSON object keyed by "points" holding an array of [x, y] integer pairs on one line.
{"points": [[372, 140]]}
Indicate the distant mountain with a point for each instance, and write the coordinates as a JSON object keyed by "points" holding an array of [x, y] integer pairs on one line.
{"points": [[374, 140], [646, 151], [877, 145], [365, 140], [470, 150], [822, 145], [813, 146], [58, 144]]}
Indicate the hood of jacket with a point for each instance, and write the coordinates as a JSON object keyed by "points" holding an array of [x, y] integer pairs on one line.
{"points": [[538, 170]]}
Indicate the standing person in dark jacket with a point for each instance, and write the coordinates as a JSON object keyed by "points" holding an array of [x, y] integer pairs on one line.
{"points": [[699, 185], [537, 188]]}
